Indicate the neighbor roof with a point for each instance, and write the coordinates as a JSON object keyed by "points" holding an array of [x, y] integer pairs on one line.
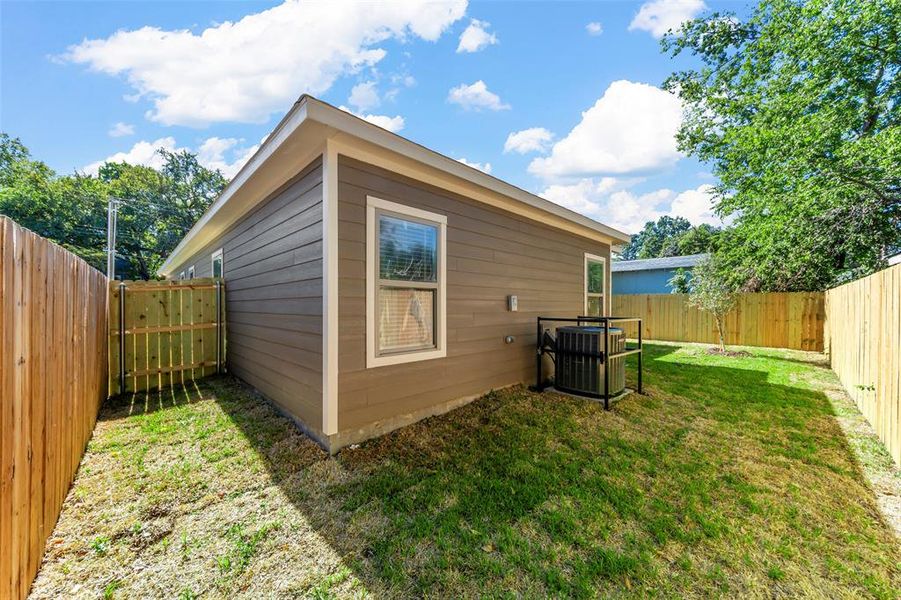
{"points": [[302, 134], [651, 264]]}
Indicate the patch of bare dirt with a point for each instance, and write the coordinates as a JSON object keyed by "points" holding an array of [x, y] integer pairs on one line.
{"points": [[717, 351]]}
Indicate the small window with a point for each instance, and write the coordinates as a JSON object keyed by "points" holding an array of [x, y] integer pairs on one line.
{"points": [[191, 272], [181, 276], [406, 295], [595, 285], [217, 268]]}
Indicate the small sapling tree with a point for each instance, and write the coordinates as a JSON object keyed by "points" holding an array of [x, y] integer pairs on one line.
{"points": [[711, 291]]}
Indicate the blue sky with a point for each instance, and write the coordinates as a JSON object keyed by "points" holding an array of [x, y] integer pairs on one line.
{"points": [[558, 98]]}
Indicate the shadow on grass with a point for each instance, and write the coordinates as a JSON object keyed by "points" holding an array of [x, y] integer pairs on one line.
{"points": [[719, 480], [132, 403]]}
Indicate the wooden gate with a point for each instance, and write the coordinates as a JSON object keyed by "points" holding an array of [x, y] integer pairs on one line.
{"points": [[174, 332]]}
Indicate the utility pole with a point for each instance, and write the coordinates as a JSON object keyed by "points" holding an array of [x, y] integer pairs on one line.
{"points": [[112, 210]]}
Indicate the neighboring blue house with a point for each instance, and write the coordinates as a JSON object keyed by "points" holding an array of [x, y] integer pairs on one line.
{"points": [[650, 275]]}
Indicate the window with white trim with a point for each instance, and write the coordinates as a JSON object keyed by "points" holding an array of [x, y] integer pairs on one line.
{"points": [[216, 264], [595, 285], [191, 272], [406, 288], [181, 276]]}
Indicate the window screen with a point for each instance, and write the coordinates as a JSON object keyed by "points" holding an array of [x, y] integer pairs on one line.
{"points": [[407, 283], [408, 250]]}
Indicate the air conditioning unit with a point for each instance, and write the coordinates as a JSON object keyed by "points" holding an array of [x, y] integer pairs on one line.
{"points": [[579, 368]]}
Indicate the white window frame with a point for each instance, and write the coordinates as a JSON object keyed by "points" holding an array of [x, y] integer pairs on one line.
{"points": [[181, 276], [605, 295], [215, 255], [374, 206], [191, 272]]}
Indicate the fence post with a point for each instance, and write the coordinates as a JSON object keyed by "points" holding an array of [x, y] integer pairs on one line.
{"points": [[639, 355], [122, 337]]}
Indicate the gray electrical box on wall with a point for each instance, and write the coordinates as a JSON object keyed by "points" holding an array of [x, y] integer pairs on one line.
{"points": [[512, 304]]}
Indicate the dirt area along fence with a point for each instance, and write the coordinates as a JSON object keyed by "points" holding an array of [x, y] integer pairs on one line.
{"points": [[52, 381], [775, 320], [174, 332], [863, 339]]}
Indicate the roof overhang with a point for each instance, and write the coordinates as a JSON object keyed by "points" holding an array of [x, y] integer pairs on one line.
{"points": [[305, 133]]}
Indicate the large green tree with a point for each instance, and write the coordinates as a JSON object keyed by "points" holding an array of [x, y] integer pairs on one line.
{"points": [[798, 110], [697, 240], [63, 209], [670, 236], [658, 238], [157, 207]]}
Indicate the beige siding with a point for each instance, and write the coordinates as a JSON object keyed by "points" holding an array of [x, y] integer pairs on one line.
{"points": [[273, 274], [490, 255]]}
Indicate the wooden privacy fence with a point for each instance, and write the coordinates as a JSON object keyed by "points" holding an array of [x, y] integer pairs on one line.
{"points": [[776, 320], [863, 333], [174, 332], [52, 381]]}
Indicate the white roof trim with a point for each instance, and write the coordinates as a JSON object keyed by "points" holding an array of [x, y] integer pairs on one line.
{"points": [[348, 123], [310, 109]]}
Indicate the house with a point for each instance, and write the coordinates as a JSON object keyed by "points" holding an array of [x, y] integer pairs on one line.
{"points": [[650, 275], [373, 282]]}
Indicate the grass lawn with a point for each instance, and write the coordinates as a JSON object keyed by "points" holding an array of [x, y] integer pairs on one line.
{"points": [[733, 476]]}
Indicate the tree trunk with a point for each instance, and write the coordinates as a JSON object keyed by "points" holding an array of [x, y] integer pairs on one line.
{"points": [[719, 329]]}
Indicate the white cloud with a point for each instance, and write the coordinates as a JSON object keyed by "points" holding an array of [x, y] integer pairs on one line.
{"points": [[476, 97], [659, 16], [630, 129], [211, 153], [620, 209], [583, 196], [476, 37], [398, 82], [142, 153], [696, 206], [405, 80], [594, 28], [484, 167], [364, 96], [629, 212], [534, 139], [248, 69], [393, 124], [608, 200], [121, 129]]}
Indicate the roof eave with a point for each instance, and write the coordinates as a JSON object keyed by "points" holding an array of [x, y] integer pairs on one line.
{"points": [[310, 109], [353, 125]]}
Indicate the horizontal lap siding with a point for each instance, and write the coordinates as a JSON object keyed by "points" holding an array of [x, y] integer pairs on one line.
{"points": [[273, 275], [490, 255]]}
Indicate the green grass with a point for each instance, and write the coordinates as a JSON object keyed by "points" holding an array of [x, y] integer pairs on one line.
{"points": [[730, 477]]}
